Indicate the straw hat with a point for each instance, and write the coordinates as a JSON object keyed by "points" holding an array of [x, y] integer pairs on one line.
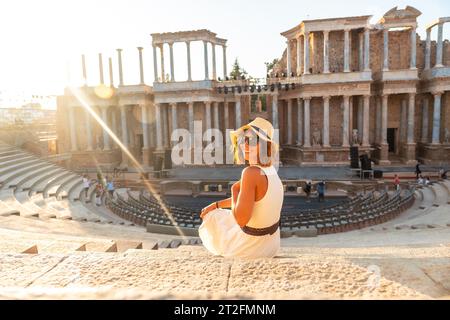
{"points": [[260, 126]]}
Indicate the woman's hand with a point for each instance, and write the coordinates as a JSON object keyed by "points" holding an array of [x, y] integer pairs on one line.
{"points": [[208, 209]]}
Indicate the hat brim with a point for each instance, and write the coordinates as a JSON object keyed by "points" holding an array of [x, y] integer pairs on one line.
{"points": [[236, 133]]}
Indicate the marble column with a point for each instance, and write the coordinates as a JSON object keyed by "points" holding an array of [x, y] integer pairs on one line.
{"points": [[83, 67], [361, 51], [436, 118], [119, 58], [326, 58], [111, 77], [367, 49], [289, 121], [173, 107], [214, 75], [412, 61], [100, 68], [403, 121], [238, 112], [191, 117], [172, 66], [360, 120], [88, 130], [378, 119], [226, 116], [205, 55], [299, 55], [306, 53], [123, 118], [158, 121], [428, 50], [165, 126], [224, 61], [188, 49], [155, 65], [299, 121], [106, 145], [346, 50], [307, 126], [73, 133], [141, 65], [216, 115], [144, 126], [365, 140], [208, 117], [411, 112], [288, 58], [275, 111], [345, 122], [425, 116], [385, 49], [384, 118], [439, 46], [163, 73], [326, 122]]}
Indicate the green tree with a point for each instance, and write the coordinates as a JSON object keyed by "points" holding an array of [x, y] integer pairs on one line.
{"points": [[237, 71], [271, 65]]}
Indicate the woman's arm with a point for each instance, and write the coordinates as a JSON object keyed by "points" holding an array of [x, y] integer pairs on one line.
{"points": [[243, 205]]}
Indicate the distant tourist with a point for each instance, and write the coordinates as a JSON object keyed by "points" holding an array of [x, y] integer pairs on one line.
{"points": [[110, 188], [86, 185], [420, 180], [427, 181], [321, 190], [250, 229], [98, 195], [418, 171], [308, 188], [397, 182]]}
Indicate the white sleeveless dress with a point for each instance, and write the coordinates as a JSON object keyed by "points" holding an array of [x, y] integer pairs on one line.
{"points": [[221, 234]]}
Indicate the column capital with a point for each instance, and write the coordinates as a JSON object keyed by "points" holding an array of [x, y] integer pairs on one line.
{"points": [[326, 97], [347, 29], [188, 42], [170, 43], [326, 32], [306, 98], [119, 50], [140, 48], [437, 93]]}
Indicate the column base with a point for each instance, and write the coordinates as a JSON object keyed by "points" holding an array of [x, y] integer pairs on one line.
{"points": [[147, 158], [382, 154], [434, 154], [409, 152]]}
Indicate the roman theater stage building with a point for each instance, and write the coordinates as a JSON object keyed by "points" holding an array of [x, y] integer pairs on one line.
{"points": [[340, 82]]}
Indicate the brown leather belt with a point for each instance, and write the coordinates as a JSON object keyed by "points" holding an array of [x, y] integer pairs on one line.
{"points": [[258, 232]]}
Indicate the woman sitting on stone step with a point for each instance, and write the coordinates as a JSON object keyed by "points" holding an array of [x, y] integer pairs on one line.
{"points": [[250, 227]]}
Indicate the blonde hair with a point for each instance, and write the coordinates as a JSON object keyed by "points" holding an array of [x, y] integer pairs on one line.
{"points": [[237, 152]]}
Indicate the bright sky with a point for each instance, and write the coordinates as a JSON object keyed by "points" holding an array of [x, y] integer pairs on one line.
{"points": [[39, 38]]}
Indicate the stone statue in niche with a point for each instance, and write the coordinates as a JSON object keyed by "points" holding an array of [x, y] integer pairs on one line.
{"points": [[355, 139], [447, 136], [316, 137]]}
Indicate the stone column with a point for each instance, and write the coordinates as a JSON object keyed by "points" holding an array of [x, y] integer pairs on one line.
{"points": [[216, 115], [345, 123], [123, 118], [191, 117], [412, 61], [173, 107], [299, 55], [165, 126], [439, 46], [88, 130], [275, 112], [158, 121], [238, 112], [288, 58], [436, 118], [299, 121], [208, 117], [425, 116], [428, 50], [306, 116], [289, 121], [155, 64], [384, 118], [411, 111], [378, 120], [224, 61], [119, 58], [326, 122], [225, 116], [100, 68], [403, 121], [346, 50], [144, 126], [367, 49], [163, 73], [172, 66], [365, 140], [306, 53], [111, 78], [385, 49], [188, 49], [73, 133], [361, 51], [83, 67], [360, 120], [141, 65], [205, 53], [106, 145], [214, 61], [326, 59]]}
